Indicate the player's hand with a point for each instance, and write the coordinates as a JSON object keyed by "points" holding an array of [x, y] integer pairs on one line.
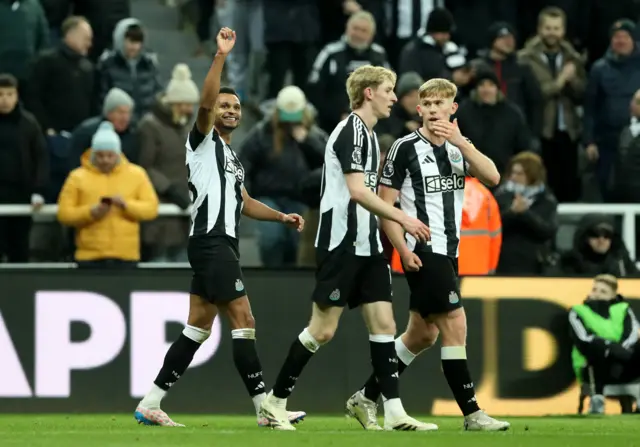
{"points": [[519, 204], [226, 40], [417, 229], [411, 262], [449, 131], [294, 221]]}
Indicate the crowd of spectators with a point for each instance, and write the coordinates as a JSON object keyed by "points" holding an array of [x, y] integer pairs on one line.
{"points": [[549, 89]]}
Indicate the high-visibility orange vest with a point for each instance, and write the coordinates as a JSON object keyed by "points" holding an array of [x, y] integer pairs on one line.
{"points": [[480, 233]]}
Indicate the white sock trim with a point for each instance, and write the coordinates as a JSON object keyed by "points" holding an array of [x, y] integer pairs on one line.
{"points": [[308, 341], [247, 334], [153, 398], [196, 334], [404, 355], [453, 353], [381, 338]]}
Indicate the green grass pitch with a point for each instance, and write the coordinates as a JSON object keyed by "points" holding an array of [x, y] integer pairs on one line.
{"points": [[316, 431]]}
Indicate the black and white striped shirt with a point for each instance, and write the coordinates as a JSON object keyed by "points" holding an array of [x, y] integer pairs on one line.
{"points": [[431, 183], [216, 179], [343, 223]]}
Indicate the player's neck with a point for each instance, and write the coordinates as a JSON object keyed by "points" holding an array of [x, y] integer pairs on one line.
{"points": [[368, 117], [226, 137], [431, 137]]}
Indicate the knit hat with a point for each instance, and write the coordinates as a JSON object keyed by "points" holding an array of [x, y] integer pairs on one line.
{"points": [[106, 139], [440, 21], [407, 83], [114, 99], [291, 104], [181, 87], [624, 25], [486, 74], [500, 29]]}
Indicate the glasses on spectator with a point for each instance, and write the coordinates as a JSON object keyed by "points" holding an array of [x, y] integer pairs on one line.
{"points": [[606, 234]]}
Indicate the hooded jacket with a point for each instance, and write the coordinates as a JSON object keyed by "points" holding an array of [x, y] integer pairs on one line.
{"points": [[581, 260], [139, 77], [430, 60], [116, 235]]}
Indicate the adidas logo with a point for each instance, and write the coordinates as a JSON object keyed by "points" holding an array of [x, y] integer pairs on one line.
{"points": [[428, 159]]}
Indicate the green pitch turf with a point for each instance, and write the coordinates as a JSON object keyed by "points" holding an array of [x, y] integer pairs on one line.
{"points": [[239, 431]]}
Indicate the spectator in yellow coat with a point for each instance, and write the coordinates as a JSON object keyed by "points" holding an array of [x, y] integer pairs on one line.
{"points": [[105, 199]]}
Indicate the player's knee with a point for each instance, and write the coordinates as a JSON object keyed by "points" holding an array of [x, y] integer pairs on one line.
{"points": [[453, 327], [323, 335], [418, 341]]}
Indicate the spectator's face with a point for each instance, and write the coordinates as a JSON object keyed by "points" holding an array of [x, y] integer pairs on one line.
{"points": [[120, 117], [551, 31], [600, 240], [488, 92], [505, 44], [441, 38], [601, 291], [622, 43], [8, 99], [635, 105], [435, 108], [182, 113], [359, 34], [132, 48], [410, 102], [105, 161], [382, 99], [80, 38], [517, 175], [227, 113]]}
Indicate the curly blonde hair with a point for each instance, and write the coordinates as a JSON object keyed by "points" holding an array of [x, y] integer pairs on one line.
{"points": [[366, 77]]}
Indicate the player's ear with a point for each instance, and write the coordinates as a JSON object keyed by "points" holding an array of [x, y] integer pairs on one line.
{"points": [[368, 93], [454, 107], [419, 110]]}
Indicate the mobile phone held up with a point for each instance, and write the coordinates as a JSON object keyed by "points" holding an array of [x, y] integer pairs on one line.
{"points": [[106, 201]]}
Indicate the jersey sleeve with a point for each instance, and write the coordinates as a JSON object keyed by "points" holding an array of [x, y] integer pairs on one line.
{"points": [[348, 147], [394, 169], [196, 137]]}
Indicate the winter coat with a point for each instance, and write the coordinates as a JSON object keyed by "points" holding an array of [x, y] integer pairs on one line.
{"points": [[162, 154], [117, 235], [140, 78]]}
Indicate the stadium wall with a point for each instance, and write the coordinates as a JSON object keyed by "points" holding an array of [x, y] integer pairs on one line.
{"points": [[92, 341]]}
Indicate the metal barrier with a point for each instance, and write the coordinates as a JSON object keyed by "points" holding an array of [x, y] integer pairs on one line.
{"points": [[628, 213]]}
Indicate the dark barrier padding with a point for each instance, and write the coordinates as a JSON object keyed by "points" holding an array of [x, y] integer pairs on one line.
{"points": [[93, 341]]}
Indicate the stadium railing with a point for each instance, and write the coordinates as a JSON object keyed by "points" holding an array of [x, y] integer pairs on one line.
{"points": [[627, 212]]}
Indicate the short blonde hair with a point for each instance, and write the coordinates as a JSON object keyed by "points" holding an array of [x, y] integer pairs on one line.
{"points": [[366, 77], [438, 87], [363, 15], [609, 280]]}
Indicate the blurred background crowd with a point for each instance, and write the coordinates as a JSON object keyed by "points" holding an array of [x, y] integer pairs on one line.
{"points": [[97, 97]]}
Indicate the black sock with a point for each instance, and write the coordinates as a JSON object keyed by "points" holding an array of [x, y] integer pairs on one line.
{"points": [[456, 371], [371, 388], [385, 364], [177, 360], [245, 357], [299, 355]]}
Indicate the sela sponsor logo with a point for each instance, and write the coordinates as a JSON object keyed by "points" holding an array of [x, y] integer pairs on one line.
{"points": [[235, 168], [437, 183], [57, 356]]}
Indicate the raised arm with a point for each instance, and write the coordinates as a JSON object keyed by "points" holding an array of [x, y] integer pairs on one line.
{"points": [[204, 122]]}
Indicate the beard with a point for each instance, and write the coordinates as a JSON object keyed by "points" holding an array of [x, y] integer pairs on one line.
{"points": [[550, 42], [225, 129]]}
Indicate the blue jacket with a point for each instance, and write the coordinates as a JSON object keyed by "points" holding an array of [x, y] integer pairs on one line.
{"points": [[612, 83]]}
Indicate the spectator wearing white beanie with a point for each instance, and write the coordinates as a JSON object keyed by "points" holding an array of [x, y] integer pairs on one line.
{"points": [[181, 94]]}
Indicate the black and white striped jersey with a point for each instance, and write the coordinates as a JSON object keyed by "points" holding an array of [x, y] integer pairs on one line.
{"points": [[216, 179], [431, 183], [343, 223]]}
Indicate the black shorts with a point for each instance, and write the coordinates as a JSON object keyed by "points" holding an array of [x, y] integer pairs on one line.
{"points": [[343, 279], [217, 276], [435, 287]]}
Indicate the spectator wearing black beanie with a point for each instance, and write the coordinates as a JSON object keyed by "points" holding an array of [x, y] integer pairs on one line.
{"points": [[432, 54]]}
